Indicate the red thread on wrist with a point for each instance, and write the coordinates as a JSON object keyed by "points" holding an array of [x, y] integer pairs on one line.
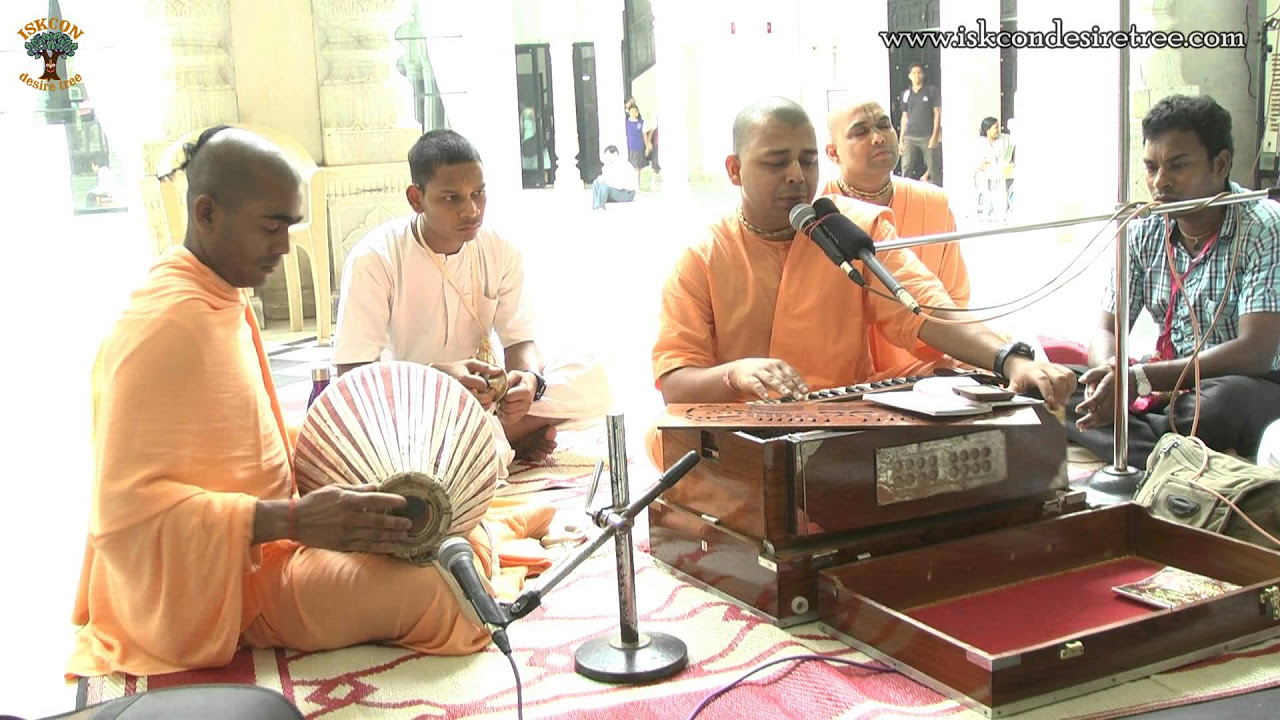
{"points": [[293, 518], [727, 382]]}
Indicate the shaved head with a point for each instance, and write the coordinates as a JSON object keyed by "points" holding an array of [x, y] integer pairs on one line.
{"points": [[774, 161], [863, 144], [243, 195], [229, 164], [758, 114], [839, 119]]}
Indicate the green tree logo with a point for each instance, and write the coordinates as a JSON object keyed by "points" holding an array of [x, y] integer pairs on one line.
{"points": [[51, 45]]}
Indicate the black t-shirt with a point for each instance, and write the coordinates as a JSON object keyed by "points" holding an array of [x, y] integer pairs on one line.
{"points": [[919, 106]]}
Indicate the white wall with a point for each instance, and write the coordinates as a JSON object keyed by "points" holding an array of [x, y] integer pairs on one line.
{"points": [[1229, 75], [472, 52], [971, 92], [845, 62], [1068, 105]]}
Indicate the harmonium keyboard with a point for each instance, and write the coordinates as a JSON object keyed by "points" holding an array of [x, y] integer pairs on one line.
{"points": [[937, 546], [787, 488]]}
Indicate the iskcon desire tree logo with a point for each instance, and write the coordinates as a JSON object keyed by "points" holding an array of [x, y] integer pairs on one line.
{"points": [[50, 39]]}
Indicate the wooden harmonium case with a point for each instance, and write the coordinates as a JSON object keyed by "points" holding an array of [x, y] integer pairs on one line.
{"points": [[798, 473], [781, 584], [1026, 616]]}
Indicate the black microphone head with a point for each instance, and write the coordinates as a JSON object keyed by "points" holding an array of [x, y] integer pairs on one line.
{"points": [[802, 215], [824, 206], [849, 236], [452, 549]]}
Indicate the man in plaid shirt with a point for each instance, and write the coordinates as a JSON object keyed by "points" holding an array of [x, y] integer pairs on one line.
{"points": [[1228, 256]]}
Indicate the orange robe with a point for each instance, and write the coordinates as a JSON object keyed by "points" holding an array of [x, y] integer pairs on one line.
{"points": [[919, 208], [188, 436], [735, 295]]}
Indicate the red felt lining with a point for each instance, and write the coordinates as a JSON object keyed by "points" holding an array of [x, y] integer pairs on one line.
{"points": [[1036, 611]]}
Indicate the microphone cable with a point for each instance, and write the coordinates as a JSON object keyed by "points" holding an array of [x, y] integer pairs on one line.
{"points": [[500, 639], [797, 658], [1054, 284]]}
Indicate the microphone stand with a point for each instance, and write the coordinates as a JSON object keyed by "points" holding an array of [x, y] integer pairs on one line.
{"points": [[629, 656], [1119, 480]]}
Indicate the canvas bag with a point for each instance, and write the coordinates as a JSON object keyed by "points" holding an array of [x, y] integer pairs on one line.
{"points": [[1169, 491]]}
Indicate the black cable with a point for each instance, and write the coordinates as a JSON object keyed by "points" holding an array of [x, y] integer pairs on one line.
{"points": [[802, 658], [1262, 37], [515, 670]]}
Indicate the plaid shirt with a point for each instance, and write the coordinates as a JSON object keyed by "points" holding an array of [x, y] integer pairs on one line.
{"points": [[1255, 289]]}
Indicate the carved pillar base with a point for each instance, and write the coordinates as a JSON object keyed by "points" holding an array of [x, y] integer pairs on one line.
{"points": [[360, 198]]}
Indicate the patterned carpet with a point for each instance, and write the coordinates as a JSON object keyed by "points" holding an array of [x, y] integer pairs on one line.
{"points": [[724, 642]]}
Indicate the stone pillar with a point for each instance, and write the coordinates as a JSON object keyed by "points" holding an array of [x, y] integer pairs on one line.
{"points": [[203, 77], [608, 40], [673, 83], [275, 72], [204, 92], [565, 111], [366, 106]]}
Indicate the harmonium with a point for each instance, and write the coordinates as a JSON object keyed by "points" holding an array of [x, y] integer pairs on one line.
{"points": [[952, 550]]}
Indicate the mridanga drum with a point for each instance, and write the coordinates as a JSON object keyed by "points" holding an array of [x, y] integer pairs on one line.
{"points": [[412, 431]]}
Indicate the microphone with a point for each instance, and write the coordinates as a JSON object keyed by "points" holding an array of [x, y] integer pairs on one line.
{"points": [[804, 219], [852, 241], [455, 555]]}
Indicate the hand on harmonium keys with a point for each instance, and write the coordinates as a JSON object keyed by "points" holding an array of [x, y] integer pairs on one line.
{"points": [[760, 376]]}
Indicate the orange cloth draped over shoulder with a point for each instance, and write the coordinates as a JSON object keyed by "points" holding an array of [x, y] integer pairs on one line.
{"points": [[919, 208], [188, 437], [736, 295]]}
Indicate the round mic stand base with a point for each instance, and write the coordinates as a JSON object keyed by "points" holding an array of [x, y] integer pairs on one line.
{"points": [[1112, 485], [654, 657]]}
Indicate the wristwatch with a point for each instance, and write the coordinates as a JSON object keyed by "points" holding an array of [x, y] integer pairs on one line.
{"points": [[542, 386], [1142, 382], [1014, 348]]}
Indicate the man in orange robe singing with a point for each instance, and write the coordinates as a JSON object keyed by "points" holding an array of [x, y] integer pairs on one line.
{"points": [[197, 544], [864, 147], [753, 309]]}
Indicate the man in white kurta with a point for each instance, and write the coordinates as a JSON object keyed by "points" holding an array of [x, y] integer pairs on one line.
{"points": [[432, 287]]}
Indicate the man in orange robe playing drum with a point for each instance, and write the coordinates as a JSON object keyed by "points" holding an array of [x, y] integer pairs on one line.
{"points": [[197, 544]]}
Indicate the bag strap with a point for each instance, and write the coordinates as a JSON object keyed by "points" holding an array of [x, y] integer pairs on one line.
{"points": [[1199, 473]]}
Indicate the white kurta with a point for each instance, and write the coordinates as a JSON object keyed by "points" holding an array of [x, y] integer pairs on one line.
{"points": [[396, 304]]}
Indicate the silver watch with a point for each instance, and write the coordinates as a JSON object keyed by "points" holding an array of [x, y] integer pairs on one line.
{"points": [[1143, 383]]}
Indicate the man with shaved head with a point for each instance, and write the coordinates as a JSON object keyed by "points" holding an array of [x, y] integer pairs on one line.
{"points": [[864, 148], [753, 310], [198, 543]]}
